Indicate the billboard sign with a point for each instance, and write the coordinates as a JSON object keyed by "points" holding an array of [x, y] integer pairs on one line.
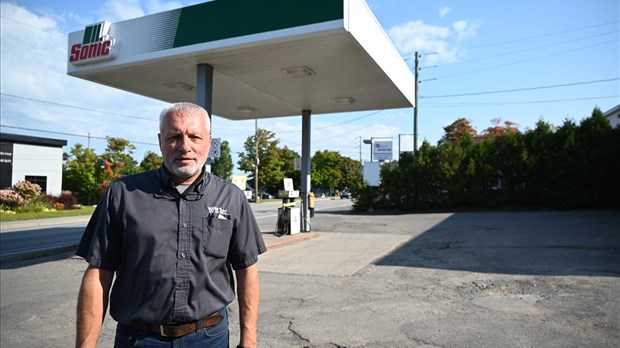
{"points": [[382, 150]]}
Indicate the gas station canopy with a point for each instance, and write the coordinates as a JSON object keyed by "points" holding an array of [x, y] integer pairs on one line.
{"points": [[270, 58]]}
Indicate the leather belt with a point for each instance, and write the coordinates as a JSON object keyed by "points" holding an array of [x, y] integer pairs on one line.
{"points": [[179, 330]]}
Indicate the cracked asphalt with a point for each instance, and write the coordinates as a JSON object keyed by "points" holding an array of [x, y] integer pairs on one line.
{"points": [[466, 279]]}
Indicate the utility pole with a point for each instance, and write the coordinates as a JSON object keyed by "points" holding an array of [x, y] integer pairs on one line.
{"points": [[415, 108], [256, 193]]}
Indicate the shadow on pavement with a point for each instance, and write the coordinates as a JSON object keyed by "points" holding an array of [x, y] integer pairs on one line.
{"points": [[530, 243]]}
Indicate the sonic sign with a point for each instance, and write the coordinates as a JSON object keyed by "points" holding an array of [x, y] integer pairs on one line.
{"points": [[96, 45]]}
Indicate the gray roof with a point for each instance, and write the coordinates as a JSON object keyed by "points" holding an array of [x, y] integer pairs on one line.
{"points": [[30, 140]]}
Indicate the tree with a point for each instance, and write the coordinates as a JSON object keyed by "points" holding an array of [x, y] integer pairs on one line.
{"points": [[270, 164], [288, 157], [223, 166], [151, 161], [455, 131], [118, 154], [115, 162], [326, 170], [498, 131], [79, 173], [351, 173], [564, 167]]}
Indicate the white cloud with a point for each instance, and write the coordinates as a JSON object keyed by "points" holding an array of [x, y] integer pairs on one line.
{"points": [[465, 29], [444, 11], [443, 40], [119, 10], [155, 6], [37, 91]]}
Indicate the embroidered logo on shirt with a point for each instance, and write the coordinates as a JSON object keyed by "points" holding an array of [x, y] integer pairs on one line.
{"points": [[219, 212]]}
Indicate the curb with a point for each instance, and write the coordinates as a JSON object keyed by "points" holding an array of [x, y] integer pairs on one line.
{"points": [[8, 226], [30, 255], [295, 239]]}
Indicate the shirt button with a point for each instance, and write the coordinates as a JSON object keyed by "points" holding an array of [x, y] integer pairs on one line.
{"points": [[184, 224], [183, 255]]}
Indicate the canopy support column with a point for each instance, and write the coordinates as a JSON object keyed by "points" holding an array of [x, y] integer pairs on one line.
{"points": [[305, 169], [204, 88]]}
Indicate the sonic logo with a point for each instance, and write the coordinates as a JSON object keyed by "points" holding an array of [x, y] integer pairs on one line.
{"points": [[96, 45]]}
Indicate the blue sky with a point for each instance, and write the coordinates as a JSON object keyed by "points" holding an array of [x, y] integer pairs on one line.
{"points": [[521, 61]]}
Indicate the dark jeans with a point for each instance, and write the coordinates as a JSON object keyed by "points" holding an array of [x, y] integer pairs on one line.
{"points": [[212, 337]]}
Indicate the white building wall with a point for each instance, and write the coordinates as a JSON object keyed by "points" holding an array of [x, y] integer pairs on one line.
{"points": [[614, 119], [613, 116], [38, 161]]}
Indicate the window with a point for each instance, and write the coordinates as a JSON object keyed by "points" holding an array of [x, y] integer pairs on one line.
{"points": [[39, 180]]}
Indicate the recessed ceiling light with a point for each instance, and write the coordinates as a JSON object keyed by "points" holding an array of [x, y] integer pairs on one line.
{"points": [[179, 86], [246, 109], [344, 100], [298, 72]]}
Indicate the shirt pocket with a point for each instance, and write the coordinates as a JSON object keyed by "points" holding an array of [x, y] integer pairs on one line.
{"points": [[216, 234]]}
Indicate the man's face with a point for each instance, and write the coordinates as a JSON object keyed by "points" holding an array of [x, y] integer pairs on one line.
{"points": [[184, 142]]}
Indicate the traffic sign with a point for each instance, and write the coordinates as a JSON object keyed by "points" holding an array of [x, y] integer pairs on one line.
{"points": [[216, 148]]}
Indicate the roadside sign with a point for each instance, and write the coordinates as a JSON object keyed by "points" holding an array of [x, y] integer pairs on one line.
{"points": [[216, 148]]}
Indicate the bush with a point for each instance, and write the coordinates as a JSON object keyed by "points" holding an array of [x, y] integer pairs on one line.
{"points": [[27, 190], [10, 199], [365, 198], [66, 200], [36, 205]]}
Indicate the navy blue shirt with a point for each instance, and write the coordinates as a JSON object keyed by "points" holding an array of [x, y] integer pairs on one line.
{"points": [[173, 253]]}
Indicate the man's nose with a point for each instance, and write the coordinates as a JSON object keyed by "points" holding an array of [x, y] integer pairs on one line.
{"points": [[184, 144]]}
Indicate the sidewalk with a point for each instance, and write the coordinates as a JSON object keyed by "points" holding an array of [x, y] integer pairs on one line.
{"points": [[8, 226]]}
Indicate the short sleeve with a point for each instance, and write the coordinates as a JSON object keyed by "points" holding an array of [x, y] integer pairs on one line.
{"points": [[101, 243]]}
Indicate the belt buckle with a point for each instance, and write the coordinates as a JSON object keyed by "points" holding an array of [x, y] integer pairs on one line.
{"points": [[162, 331]]}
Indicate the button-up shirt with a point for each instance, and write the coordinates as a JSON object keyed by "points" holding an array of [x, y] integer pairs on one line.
{"points": [[173, 253]]}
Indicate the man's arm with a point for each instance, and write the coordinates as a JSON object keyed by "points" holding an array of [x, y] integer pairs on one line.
{"points": [[248, 290], [92, 305]]}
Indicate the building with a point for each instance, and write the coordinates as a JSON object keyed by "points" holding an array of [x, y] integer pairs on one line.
{"points": [[613, 116], [33, 159]]}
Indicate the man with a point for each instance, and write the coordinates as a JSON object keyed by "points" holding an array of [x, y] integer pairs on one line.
{"points": [[171, 237]]}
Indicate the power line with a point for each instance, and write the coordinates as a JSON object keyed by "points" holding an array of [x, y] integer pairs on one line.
{"points": [[542, 35], [521, 89], [526, 39], [79, 107], [521, 61], [337, 124], [24, 24], [72, 134], [436, 105], [524, 50]]}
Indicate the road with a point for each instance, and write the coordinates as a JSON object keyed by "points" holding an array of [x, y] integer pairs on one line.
{"points": [[20, 241], [450, 279]]}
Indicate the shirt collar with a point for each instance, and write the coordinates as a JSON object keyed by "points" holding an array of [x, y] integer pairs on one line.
{"points": [[165, 180]]}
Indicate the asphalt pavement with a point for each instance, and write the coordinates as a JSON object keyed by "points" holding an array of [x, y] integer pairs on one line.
{"points": [[475, 279]]}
